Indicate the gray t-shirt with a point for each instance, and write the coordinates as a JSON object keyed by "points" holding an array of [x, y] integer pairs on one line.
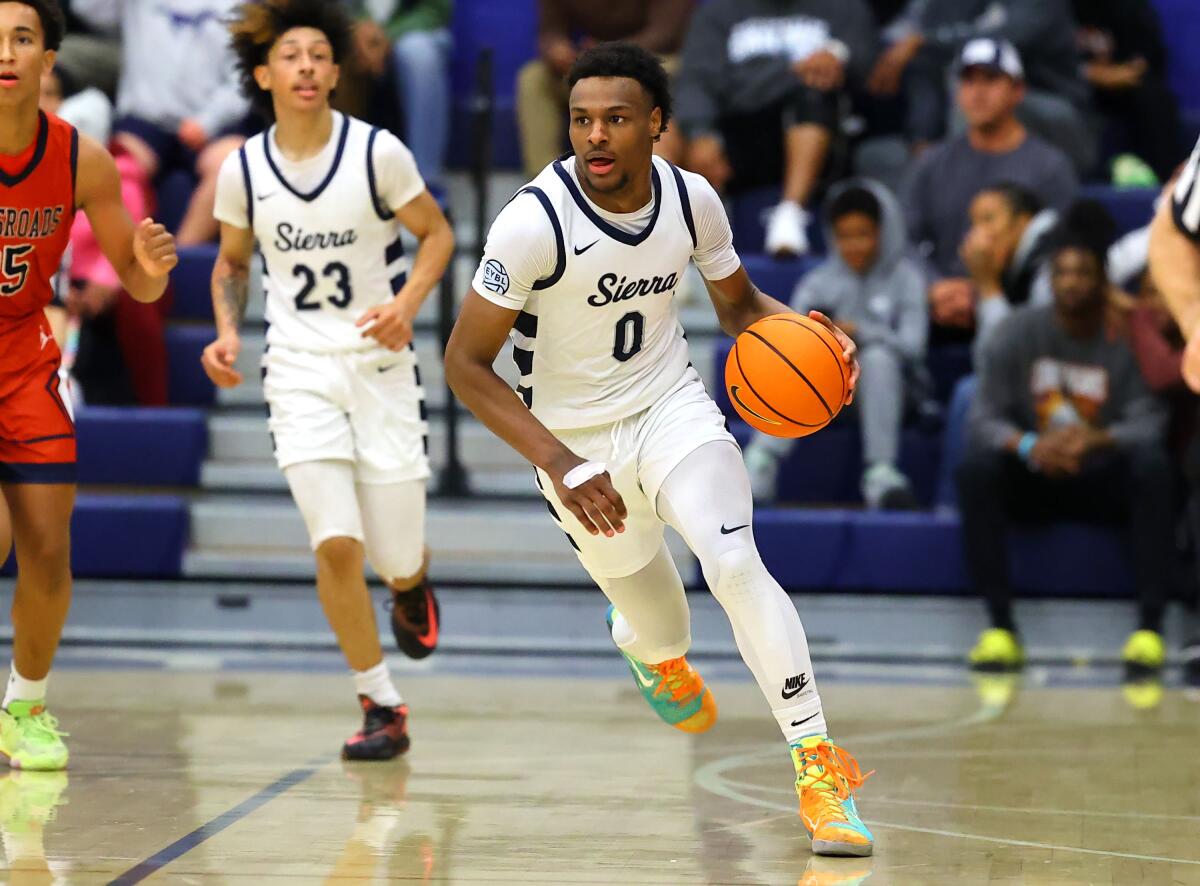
{"points": [[1034, 377], [944, 180]]}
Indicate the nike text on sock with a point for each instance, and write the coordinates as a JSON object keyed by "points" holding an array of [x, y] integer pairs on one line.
{"points": [[376, 684], [21, 689]]}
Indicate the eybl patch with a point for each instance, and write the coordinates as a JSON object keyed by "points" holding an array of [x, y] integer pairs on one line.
{"points": [[495, 277]]}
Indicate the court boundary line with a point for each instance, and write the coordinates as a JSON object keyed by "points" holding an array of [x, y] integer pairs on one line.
{"points": [[185, 844]]}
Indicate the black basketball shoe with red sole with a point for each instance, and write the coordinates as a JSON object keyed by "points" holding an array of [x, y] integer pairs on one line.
{"points": [[384, 733], [416, 620]]}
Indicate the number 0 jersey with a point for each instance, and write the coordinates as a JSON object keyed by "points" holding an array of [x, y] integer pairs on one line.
{"points": [[598, 337], [326, 230]]}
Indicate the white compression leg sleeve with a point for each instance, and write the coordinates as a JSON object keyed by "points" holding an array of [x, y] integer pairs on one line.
{"points": [[324, 493], [393, 517], [707, 499], [654, 623]]}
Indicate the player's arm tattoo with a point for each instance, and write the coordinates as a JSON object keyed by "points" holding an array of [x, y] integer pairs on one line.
{"points": [[235, 290]]}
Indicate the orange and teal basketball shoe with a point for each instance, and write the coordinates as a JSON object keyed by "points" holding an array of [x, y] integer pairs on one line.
{"points": [[675, 691], [30, 738], [826, 778]]}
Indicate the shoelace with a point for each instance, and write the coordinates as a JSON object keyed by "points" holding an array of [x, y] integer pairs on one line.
{"points": [[43, 726], [841, 776], [675, 679], [412, 607]]}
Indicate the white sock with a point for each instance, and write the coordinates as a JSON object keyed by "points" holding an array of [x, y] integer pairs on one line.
{"points": [[802, 720], [622, 633], [20, 689], [376, 831], [376, 684]]}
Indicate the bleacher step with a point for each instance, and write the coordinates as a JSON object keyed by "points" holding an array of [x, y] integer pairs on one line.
{"points": [[258, 475]]}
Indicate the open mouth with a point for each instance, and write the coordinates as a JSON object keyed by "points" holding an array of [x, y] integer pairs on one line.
{"points": [[8, 79], [601, 165]]}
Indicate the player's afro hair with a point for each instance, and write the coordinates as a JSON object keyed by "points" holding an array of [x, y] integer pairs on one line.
{"points": [[54, 23], [257, 25], [620, 59]]}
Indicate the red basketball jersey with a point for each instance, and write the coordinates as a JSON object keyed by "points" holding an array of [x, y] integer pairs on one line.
{"points": [[37, 208]]}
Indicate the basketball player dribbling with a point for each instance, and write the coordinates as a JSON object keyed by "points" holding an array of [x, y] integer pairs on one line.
{"points": [[47, 172], [580, 269], [322, 197]]}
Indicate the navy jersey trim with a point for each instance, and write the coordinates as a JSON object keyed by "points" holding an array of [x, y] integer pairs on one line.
{"points": [[41, 472], [74, 164], [39, 152], [526, 324], [615, 233], [685, 202], [526, 395], [333, 168], [394, 251], [381, 209], [523, 357], [560, 263], [1185, 194], [246, 182]]}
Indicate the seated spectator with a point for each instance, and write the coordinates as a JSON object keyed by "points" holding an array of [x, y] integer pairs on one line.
{"points": [[416, 36], [995, 148], [1126, 65], [757, 97], [179, 101], [930, 34], [118, 352], [566, 28], [1158, 345], [88, 58], [1005, 253], [876, 294], [1063, 428]]}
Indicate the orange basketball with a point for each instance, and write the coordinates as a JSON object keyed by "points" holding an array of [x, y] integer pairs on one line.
{"points": [[786, 376]]}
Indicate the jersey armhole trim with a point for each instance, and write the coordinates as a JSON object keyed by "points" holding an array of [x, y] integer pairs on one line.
{"points": [[74, 167], [685, 203], [39, 151], [381, 210], [560, 262], [246, 182]]}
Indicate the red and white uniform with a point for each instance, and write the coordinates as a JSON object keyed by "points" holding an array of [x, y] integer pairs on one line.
{"points": [[37, 208]]}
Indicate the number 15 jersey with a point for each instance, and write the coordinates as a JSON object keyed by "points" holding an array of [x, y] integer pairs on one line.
{"points": [[326, 230], [598, 337]]}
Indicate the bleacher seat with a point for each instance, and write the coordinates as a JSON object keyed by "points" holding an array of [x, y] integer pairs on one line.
{"points": [[186, 382], [192, 281], [141, 447], [1131, 208], [1181, 32], [777, 278], [747, 215], [174, 193], [126, 536]]}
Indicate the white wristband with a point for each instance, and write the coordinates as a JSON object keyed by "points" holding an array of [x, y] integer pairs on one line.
{"points": [[577, 476]]}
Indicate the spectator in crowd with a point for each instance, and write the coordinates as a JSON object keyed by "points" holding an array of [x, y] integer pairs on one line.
{"points": [[930, 34], [566, 28], [1126, 65], [416, 36], [179, 103], [119, 354], [87, 58], [1158, 345], [757, 97], [1005, 252], [1063, 428], [995, 148], [876, 294]]}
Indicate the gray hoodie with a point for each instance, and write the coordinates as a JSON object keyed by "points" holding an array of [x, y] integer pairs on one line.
{"points": [[738, 54], [888, 303]]}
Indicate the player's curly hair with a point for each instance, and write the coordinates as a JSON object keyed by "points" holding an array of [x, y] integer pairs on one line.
{"points": [[257, 25], [54, 22], [621, 59]]}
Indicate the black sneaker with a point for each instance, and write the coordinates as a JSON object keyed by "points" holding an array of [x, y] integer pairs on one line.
{"points": [[384, 733], [416, 619]]}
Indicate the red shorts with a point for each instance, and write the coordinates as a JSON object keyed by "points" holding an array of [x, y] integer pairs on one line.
{"points": [[37, 430]]}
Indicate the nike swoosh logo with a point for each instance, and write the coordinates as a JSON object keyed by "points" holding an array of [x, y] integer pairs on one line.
{"points": [[725, 531], [388, 368], [795, 691], [579, 251], [735, 393], [806, 719], [261, 197]]}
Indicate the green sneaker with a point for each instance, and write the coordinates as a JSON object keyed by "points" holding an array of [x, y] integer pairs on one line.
{"points": [[1131, 171], [30, 738], [675, 691], [30, 800], [997, 649], [1144, 653]]}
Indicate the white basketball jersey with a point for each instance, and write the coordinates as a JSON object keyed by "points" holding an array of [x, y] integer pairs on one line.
{"points": [[331, 253], [600, 339]]}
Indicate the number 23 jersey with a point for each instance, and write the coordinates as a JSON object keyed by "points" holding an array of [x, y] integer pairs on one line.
{"points": [[325, 228], [598, 337]]}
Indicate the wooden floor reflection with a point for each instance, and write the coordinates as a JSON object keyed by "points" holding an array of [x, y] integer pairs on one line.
{"points": [[233, 778]]}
